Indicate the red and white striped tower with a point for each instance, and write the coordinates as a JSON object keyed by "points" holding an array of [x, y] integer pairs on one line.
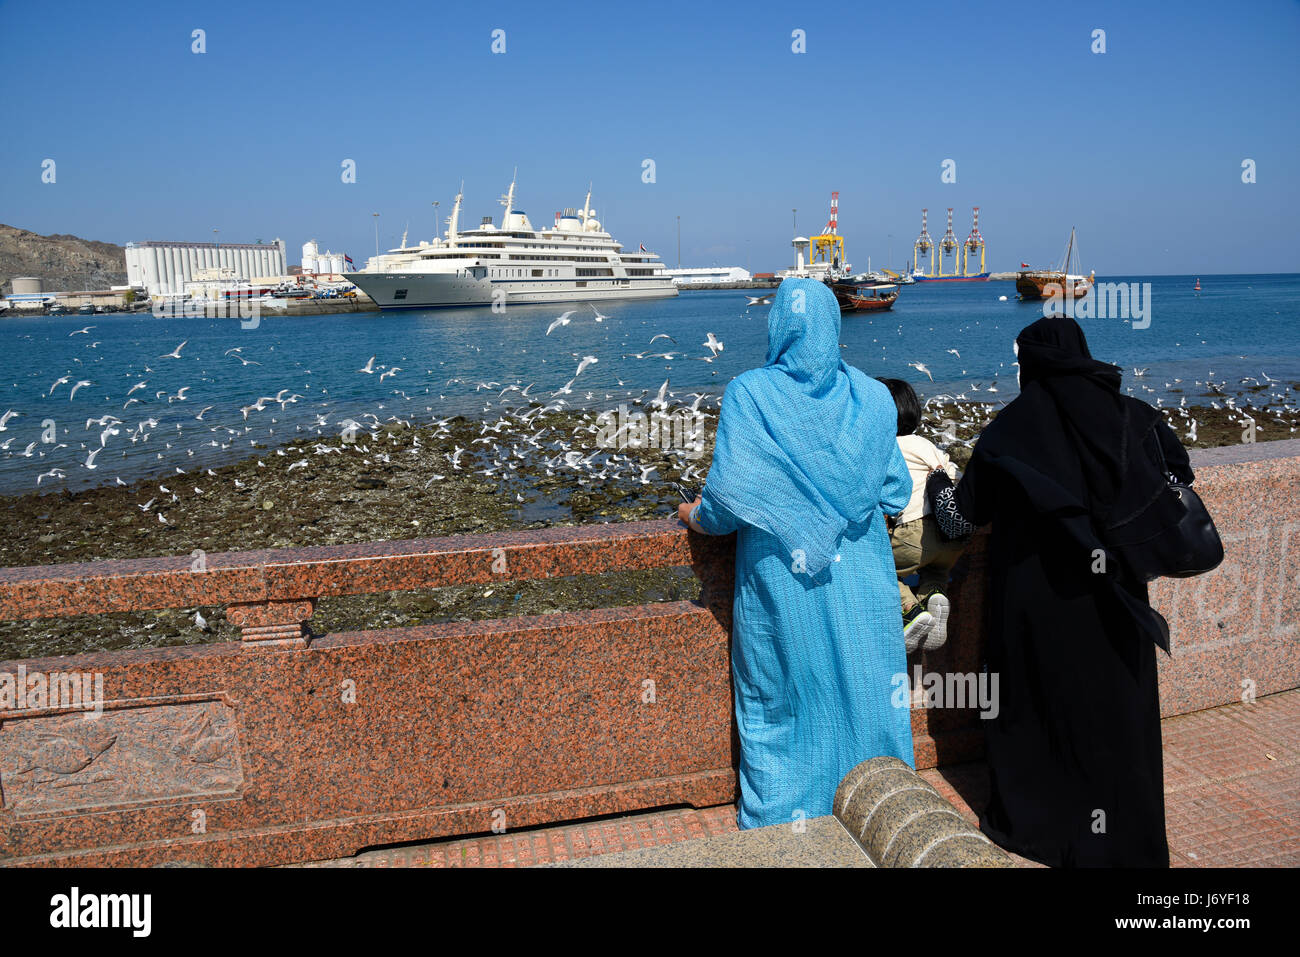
{"points": [[948, 245], [833, 223], [973, 242], [924, 244]]}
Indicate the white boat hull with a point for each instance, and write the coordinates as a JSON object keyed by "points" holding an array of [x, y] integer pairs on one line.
{"points": [[432, 290]]}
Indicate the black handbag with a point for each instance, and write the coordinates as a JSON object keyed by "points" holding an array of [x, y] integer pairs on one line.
{"points": [[1173, 537], [941, 494]]}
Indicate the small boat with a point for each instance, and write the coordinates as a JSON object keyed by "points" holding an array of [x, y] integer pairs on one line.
{"points": [[1050, 283], [1197, 287], [865, 298]]}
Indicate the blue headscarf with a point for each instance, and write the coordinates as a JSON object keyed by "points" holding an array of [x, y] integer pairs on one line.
{"points": [[805, 444]]}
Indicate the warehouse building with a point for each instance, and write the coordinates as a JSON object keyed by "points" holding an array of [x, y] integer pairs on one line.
{"points": [[163, 269]]}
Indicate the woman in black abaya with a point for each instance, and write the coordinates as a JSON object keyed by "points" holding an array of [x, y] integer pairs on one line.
{"points": [[1074, 754]]}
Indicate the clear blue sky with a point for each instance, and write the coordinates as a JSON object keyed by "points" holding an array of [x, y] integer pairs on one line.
{"points": [[1139, 147]]}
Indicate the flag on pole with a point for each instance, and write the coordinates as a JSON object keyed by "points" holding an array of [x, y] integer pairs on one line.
{"points": [[1024, 265], [643, 247], [347, 259]]}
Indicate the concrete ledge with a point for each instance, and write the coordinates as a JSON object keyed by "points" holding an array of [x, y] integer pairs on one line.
{"points": [[822, 842], [900, 820]]}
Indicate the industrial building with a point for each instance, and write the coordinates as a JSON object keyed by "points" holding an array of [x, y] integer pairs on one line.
{"points": [[163, 269], [315, 262]]}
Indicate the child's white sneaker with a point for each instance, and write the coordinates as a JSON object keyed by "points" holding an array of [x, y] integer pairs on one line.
{"points": [[916, 625], [938, 607]]}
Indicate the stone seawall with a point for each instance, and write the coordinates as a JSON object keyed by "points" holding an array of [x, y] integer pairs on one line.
{"points": [[289, 746]]}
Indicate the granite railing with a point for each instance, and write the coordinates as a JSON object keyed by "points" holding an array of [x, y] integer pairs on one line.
{"points": [[289, 746]]}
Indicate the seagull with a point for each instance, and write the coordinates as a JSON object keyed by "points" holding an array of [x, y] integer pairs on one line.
{"points": [[713, 345], [90, 459], [4, 419], [599, 317], [76, 387], [369, 367], [562, 320], [58, 382], [920, 367], [1140, 372], [955, 353], [758, 301], [664, 335], [586, 361], [52, 473], [175, 353], [81, 332]]}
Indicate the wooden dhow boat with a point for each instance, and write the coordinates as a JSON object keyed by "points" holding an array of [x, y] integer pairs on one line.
{"points": [[1052, 283]]}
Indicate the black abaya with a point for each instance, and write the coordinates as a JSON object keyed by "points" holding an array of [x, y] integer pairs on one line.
{"points": [[1074, 753]]}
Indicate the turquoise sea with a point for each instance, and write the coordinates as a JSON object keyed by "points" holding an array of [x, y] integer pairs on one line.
{"points": [[458, 361]]}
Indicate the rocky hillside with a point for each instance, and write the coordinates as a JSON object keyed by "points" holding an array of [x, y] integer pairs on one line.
{"points": [[64, 262]]}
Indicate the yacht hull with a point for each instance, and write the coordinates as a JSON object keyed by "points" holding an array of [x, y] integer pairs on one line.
{"points": [[427, 291]]}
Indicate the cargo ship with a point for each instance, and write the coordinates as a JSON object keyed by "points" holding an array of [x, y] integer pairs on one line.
{"points": [[1051, 283], [922, 277]]}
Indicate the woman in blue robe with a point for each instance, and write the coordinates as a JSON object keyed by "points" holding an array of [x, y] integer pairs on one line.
{"points": [[805, 467]]}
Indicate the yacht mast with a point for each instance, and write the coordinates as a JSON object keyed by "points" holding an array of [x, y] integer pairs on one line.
{"points": [[453, 221], [508, 201]]}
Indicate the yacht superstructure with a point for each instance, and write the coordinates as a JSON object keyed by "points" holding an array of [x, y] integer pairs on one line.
{"points": [[573, 260]]}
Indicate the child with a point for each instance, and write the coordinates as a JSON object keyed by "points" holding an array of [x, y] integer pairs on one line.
{"points": [[918, 546]]}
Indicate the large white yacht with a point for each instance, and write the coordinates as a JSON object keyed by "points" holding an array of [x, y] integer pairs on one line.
{"points": [[573, 260]]}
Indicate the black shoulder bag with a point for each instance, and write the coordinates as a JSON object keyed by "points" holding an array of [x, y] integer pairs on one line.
{"points": [[1173, 537]]}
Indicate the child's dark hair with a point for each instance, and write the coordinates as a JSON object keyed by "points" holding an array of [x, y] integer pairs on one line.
{"points": [[909, 406]]}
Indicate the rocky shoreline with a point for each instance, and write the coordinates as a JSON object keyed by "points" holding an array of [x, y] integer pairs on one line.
{"points": [[529, 468]]}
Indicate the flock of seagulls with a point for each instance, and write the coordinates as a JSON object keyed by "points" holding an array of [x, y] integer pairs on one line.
{"points": [[518, 424]]}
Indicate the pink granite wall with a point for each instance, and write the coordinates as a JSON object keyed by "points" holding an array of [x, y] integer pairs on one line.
{"points": [[288, 747]]}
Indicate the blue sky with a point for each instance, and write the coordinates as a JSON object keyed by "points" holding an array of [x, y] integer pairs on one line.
{"points": [[1140, 148]]}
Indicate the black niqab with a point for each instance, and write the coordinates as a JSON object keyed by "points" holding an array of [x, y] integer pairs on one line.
{"points": [[1102, 427]]}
